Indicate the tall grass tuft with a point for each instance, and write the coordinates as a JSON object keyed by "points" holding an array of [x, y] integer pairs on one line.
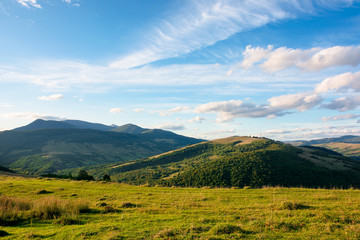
{"points": [[51, 208], [11, 210]]}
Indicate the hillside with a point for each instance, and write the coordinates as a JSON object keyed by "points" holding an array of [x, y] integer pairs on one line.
{"points": [[50, 150], [99, 210], [346, 145], [239, 162]]}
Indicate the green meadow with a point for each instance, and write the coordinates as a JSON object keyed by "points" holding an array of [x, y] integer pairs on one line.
{"points": [[45, 208]]}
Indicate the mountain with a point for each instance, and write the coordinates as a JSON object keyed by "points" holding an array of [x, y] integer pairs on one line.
{"points": [[51, 124], [239, 162], [50, 146], [130, 128], [44, 124], [348, 145]]}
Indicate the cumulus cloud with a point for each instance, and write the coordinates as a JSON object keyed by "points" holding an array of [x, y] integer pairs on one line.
{"points": [[277, 106], [116, 110], [273, 60], [54, 97], [171, 127], [197, 119], [340, 117], [29, 3], [341, 82], [301, 101], [343, 104]]}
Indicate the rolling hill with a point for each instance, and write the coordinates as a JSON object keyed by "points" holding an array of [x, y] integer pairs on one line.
{"points": [[49, 146], [348, 145], [239, 162]]}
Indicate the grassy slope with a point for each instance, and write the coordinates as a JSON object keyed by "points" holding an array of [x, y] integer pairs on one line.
{"points": [[347, 149], [188, 213], [50, 150], [239, 161]]}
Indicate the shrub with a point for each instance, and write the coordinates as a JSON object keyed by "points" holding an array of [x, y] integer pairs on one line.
{"points": [[128, 205], [43, 192], [225, 229], [293, 206]]}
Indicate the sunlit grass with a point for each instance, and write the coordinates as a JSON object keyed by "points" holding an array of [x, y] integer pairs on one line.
{"points": [[99, 210]]}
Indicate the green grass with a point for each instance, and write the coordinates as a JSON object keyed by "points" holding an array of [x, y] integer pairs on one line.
{"points": [[118, 211]]}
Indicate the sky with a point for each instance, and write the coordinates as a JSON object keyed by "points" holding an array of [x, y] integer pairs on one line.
{"points": [[282, 69]]}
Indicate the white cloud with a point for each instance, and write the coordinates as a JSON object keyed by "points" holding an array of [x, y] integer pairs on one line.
{"points": [[73, 2], [301, 101], [313, 132], [313, 59], [278, 106], [171, 127], [53, 97], [343, 104], [203, 23], [31, 116], [254, 55], [29, 3], [139, 110], [169, 112], [334, 56], [340, 117], [197, 119], [116, 110], [341, 82]]}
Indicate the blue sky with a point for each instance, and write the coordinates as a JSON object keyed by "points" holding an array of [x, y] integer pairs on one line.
{"points": [[281, 69]]}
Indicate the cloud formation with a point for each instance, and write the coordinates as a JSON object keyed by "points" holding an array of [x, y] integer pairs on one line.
{"points": [[314, 59], [54, 97], [203, 23], [340, 117], [343, 104], [29, 3], [197, 119], [116, 110], [340, 83], [171, 127], [277, 106], [31, 116]]}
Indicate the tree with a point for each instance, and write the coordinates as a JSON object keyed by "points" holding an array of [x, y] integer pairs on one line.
{"points": [[83, 175], [106, 178]]}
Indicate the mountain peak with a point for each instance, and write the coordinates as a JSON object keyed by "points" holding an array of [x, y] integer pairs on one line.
{"points": [[130, 128], [44, 124]]}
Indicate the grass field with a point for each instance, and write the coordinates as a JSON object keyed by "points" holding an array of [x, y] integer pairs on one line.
{"points": [[99, 210]]}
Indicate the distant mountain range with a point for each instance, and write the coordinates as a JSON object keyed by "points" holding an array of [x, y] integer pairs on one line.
{"points": [[239, 162], [49, 146], [348, 145]]}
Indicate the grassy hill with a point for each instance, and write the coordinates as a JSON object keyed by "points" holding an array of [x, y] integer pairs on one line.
{"points": [[49, 150], [346, 145], [63, 209], [239, 162]]}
